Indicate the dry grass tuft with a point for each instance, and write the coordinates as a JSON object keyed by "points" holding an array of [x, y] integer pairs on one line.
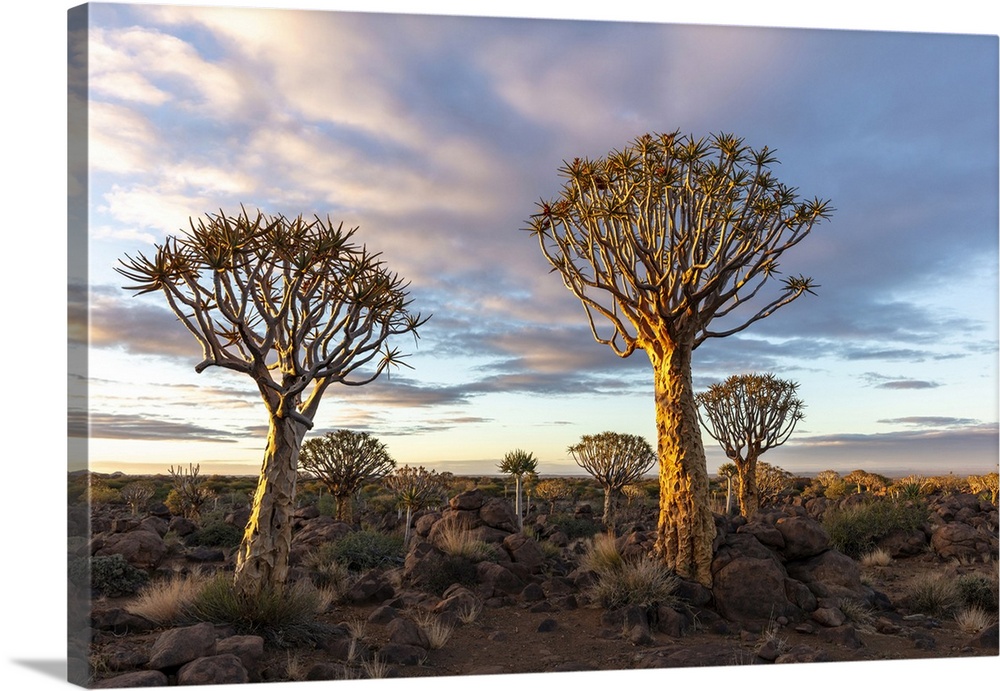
{"points": [[437, 631], [375, 668], [877, 557], [168, 601], [460, 542], [469, 612], [973, 619]]}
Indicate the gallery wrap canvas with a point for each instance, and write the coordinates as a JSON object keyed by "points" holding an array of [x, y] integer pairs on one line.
{"points": [[445, 348]]}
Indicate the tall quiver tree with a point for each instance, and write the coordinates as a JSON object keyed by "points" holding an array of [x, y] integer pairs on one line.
{"points": [[517, 464], [660, 240], [614, 460], [729, 471], [344, 460], [297, 306], [749, 414]]}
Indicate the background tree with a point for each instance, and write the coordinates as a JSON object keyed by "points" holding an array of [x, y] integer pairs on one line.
{"points": [[661, 239], [614, 460], [414, 489], [552, 490], [297, 306], [137, 494], [772, 482], [517, 464], [189, 492], [749, 414], [729, 471], [344, 460]]}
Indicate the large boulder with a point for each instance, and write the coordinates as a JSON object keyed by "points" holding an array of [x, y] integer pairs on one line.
{"points": [[748, 582], [959, 540], [803, 537], [830, 574], [499, 514], [179, 646], [216, 669], [143, 549], [524, 551]]}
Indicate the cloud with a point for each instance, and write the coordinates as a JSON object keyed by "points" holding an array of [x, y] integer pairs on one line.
{"points": [[932, 421], [908, 384], [141, 427]]}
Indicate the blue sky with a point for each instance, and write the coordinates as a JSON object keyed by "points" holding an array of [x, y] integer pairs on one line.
{"points": [[437, 135]]}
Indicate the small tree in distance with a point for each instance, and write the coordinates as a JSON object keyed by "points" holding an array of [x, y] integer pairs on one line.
{"points": [[517, 464], [552, 490], [749, 414], [343, 461], [296, 306], [614, 460], [671, 240], [729, 471], [414, 489]]}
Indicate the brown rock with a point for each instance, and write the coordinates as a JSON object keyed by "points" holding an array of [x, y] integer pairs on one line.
{"points": [[178, 646], [216, 669]]}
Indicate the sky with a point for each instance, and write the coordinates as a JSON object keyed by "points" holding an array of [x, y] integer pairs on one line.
{"points": [[35, 348], [438, 134]]}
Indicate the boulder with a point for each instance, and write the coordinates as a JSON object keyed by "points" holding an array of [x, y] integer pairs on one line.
{"points": [[249, 649], [179, 646], [497, 580], [803, 537], [216, 669], [472, 500], [143, 549], [766, 534], [499, 514], [830, 574], [403, 631], [182, 526], [958, 541], [133, 680], [525, 551]]}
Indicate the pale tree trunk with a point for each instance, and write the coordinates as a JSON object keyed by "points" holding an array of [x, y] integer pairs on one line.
{"points": [[686, 526], [517, 502], [262, 559], [606, 518], [749, 496]]}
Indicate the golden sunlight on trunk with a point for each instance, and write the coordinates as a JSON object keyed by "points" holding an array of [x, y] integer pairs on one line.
{"points": [[263, 555], [686, 526]]}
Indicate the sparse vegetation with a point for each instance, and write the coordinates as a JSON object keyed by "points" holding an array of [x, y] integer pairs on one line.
{"points": [[215, 534], [108, 575], [973, 619], [437, 630], [168, 600], [643, 581], [367, 549], [935, 594], [877, 557], [856, 530]]}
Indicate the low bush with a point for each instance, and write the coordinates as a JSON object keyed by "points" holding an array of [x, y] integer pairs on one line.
{"points": [[977, 591], [215, 534], [283, 616], [573, 527], [934, 594], [460, 542], [368, 549], [168, 600], [451, 570], [644, 581], [112, 576], [856, 530], [325, 571]]}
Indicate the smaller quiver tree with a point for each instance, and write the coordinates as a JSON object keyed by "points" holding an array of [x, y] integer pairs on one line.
{"points": [[414, 489], [552, 490], [614, 460], [748, 414], [729, 471], [343, 461], [517, 464], [137, 495]]}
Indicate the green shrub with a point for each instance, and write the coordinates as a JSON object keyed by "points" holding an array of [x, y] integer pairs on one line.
{"points": [[111, 575], [573, 527], [977, 591], [644, 582], [856, 530], [215, 534], [452, 569], [934, 594], [368, 549], [284, 617]]}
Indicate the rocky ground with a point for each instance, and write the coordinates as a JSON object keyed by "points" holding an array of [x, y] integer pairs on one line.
{"points": [[782, 594]]}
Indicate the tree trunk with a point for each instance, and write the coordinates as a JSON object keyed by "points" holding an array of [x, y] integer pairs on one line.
{"points": [[606, 518], [344, 509], [406, 530], [729, 495], [749, 496], [517, 502], [262, 559], [686, 526]]}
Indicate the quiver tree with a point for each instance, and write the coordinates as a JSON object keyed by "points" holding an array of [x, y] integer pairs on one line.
{"points": [[729, 471], [614, 460], [552, 490], [137, 494], [517, 464], [669, 242], [772, 482], [749, 414], [295, 305], [343, 461], [414, 489]]}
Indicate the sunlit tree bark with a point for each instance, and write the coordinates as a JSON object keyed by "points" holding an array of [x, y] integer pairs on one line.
{"points": [[669, 242], [295, 305]]}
